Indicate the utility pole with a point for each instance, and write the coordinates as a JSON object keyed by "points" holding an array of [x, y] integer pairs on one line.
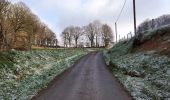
{"points": [[116, 31], [134, 13]]}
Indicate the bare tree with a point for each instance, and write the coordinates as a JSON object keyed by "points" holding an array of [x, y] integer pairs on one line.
{"points": [[94, 34], [90, 33], [98, 30], [107, 34], [64, 37], [67, 35], [77, 32], [3, 22], [70, 30], [33, 26], [18, 18], [19, 26]]}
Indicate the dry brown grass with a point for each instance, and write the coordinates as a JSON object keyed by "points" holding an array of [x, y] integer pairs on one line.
{"points": [[38, 47]]}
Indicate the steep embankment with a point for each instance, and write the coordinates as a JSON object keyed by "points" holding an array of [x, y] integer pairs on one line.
{"points": [[142, 64], [157, 41], [24, 73]]}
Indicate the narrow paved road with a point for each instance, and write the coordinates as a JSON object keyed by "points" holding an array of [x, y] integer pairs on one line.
{"points": [[88, 79]]}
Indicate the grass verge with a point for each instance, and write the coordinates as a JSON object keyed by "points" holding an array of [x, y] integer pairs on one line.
{"points": [[24, 73]]}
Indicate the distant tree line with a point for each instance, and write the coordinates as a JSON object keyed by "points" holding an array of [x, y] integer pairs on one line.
{"points": [[94, 34], [154, 23], [20, 28]]}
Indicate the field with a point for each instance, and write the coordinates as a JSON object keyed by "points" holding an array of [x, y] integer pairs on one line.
{"points": [[24, 73]]}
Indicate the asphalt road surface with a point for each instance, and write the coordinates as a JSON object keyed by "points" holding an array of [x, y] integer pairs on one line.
{"points": [[88, 79]]}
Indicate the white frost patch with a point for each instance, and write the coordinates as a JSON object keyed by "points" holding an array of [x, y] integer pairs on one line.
{"points": [[32, 71], [53, 63], [156, 71]]}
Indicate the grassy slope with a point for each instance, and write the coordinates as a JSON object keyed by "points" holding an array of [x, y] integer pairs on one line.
{"points": [[24, 73], [145, 75]]}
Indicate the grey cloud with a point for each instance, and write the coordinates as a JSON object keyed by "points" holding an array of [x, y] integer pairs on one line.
{"points": [[81, 12]]}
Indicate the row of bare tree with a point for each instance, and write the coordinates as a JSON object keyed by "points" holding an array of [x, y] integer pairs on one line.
{"points": [[154, 23], [94, 34], [20, 28]]}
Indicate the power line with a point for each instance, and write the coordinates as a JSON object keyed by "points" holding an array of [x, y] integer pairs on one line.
{"points": [[118, 19], [121, 10]]}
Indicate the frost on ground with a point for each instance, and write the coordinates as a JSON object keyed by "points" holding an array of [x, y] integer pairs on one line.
{"points": [[145, 76], [24, 73]]}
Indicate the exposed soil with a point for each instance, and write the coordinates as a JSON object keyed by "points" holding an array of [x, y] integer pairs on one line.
{"points": [[88, 79], [159, 44]]}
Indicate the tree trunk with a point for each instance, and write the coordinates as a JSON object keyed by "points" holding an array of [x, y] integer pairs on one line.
{"points": [[76, 42], [69, 43], [96, 42], [91, 43]]}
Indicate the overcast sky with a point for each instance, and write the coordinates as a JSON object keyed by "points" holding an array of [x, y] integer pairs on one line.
{"points": [[58, 14]]}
